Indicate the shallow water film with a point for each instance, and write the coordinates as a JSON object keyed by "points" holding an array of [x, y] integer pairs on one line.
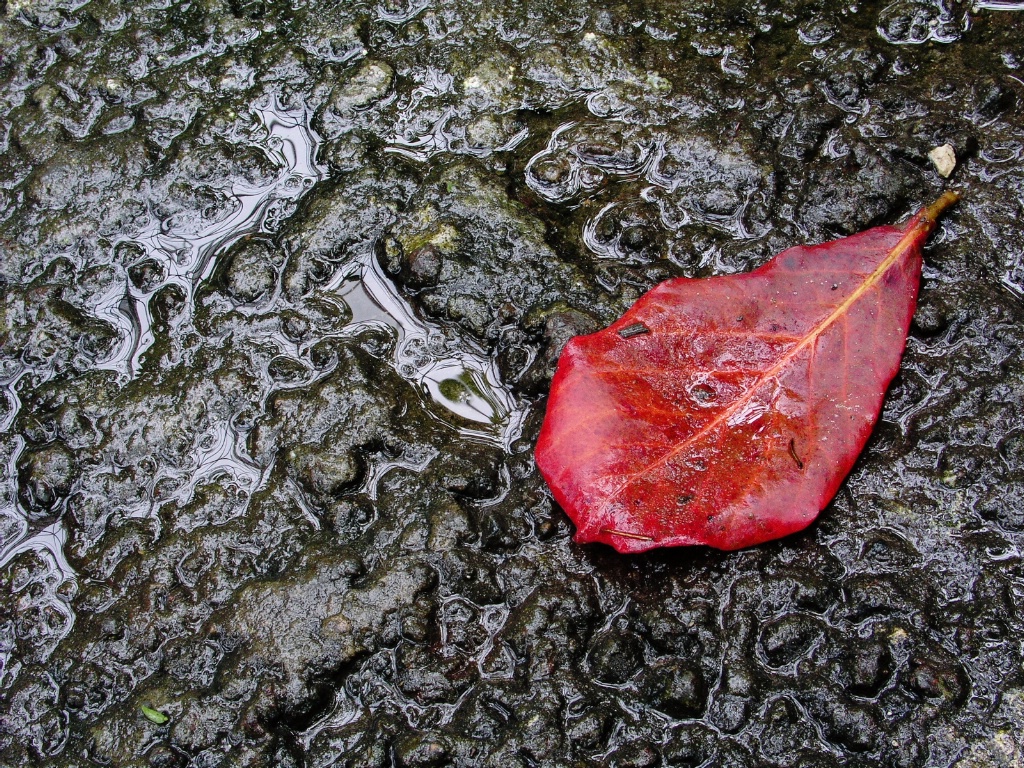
{"points": [[283, 286]]}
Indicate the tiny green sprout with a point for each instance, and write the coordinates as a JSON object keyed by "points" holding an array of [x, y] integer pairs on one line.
{"points": [[154, 715]]}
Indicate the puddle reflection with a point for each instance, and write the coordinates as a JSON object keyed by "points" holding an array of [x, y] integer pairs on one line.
{"points": [[463, 381], [188, 259]]}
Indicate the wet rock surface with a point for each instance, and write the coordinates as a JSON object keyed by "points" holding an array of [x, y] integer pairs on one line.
{"points": [[282, 288]]}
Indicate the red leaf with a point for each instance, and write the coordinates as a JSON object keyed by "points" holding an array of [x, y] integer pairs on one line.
{"points": [[726, 411]]}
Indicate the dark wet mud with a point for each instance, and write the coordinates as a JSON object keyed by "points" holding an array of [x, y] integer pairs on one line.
{"points": [[283, 286]]}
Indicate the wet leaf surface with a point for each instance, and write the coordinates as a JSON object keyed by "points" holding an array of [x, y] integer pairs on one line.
{"points": [[726, 411]]}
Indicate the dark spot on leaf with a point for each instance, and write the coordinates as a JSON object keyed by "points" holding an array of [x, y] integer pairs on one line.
{"points": [[703, 393]]}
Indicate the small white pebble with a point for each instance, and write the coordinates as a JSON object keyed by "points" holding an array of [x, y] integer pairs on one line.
{"points": [[944, 160]]}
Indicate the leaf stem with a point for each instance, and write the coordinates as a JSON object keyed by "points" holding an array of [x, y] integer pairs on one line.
{"points": [[929, 215]]}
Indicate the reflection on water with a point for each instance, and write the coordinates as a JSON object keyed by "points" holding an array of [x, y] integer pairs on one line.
{"points": [[460, 385], [998, 5], [42, 588], [492, 657], [913, 23], [39, 586], [10, 374], [443, 137], [221, 456], [189, 258], [463, 381], [18, 534], [572, 172]]}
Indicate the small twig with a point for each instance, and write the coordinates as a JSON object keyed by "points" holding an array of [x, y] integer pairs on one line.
{"points": [[793, 453]]}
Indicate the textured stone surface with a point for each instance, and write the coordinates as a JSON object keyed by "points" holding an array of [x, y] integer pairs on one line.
{"points": [[229, 494]]}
